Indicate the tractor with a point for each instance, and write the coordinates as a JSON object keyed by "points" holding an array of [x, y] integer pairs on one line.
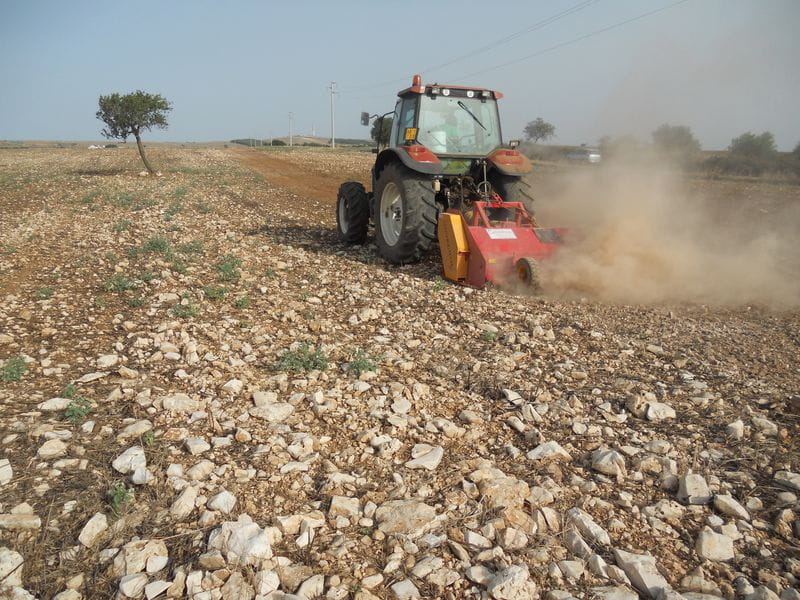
{"points": [[446, 175]]}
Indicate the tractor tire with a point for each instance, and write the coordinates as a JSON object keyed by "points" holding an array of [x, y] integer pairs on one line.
{"points": [[528, 273], [513, 189], [352, 213], [405, 214]]}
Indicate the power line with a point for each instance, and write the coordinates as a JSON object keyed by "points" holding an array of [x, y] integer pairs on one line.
{"points": [[538, 25], [570, 42]]}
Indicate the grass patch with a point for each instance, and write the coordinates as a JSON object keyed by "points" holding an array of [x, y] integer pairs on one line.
{"points": [[44, 293], [242, 302], [193, 247], [439, 284], [180, 191], [158, 244], [184, 311], [361, 362], [122, 225], [173, 209], [136, 302], [13, 369], [123, 200], [89, 198], [179, 266], [215, 292], [77, 409], [119, 283], [303, 359], [488, 336], [202, 207], [228, 268], [147, 276], [118, 496]]}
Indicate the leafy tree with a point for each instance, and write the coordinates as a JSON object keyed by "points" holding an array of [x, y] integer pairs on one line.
{"points": [[796, 150], [381, 129], [131, 114], [539, 130], [754, 146], [676, 141]]}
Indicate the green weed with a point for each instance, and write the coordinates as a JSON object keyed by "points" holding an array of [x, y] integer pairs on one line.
{"points": [[228, 268], [122, 225], [361, 362], [119, 283], [157, 245], [215, 292], [77, 410], [242, 302], [303, 359], [118, 496], [44, 293], [193, 247], [184, 311], [488, 336], [136, 302], [13, 369]]}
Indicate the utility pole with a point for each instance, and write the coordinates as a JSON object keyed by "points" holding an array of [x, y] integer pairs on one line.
{"points": [[290, 129], [332, 88]]}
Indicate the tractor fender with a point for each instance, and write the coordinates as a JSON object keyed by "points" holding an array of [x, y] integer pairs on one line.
{"points": [[429, 165], [510, 162]]}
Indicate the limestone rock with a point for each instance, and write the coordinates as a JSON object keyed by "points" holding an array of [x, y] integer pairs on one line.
{"points": [[133, 458], [642, 572], [714, 546], [242, 541], [409, 517], [512, 583], [93, 528]]}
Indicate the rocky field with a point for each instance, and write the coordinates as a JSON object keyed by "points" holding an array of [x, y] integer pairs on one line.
{"points": [[203, 395]]}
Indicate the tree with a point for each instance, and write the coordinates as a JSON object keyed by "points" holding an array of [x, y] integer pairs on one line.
{"points": [[751, 145], [676, 141], [796, 151], [539, 130], [381, 135], [131, 114]]}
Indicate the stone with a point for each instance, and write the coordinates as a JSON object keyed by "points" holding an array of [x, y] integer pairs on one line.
{"points": [[512, 583], [609, 462], [344, 506], [54, 404], [135, 429], [134, 557], [273, 413], [728, 505], [642, 572], [549, 450], [614, 593], [693, 489], [588, 527], [233, 387], [409, 517], [180, 403], [428, 459], [93, 528], [479, 574], [6, 472], [313, 587], [16, 522], [236, 588], [788, 479], [106, 361], [572, 569], [184, 504], [10, 567], [765, 426], [714, 546], [132, 586], [404, 590], [156, 588], [201, 470], [52, 449], [242, 541], [196, 446], [735, 429], [266, 582], [223, 501], [133, 458], [659, 411]]}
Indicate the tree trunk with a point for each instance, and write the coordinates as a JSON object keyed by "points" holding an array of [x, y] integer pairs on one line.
{"points": [[141, 153]]}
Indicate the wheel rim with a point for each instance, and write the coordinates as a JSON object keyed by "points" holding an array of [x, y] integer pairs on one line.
{"points": [[343, 215], [391, 213]]}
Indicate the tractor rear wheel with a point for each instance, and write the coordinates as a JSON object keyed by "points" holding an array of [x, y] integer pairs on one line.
{"points": [[405, 214], [513, 189], [352, 213], [528, 273]]}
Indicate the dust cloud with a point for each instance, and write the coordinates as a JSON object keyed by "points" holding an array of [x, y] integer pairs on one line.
{"points": [[649, 234]]}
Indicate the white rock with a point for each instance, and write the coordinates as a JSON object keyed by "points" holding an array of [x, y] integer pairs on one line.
{"points": [[132, 586], [10, 567], [93, 528], [609, 462], [242, 541], [201, 470], [405, 590], [19, 521], [549, 450], [135, 429], [196, 446], [264, 398], [788, 479], [344, 506], [133, 458], [313, 587], [513, 583], [405, 516], [479, 574], [735, 429], [224, 502], [614, 593], [765, 426], [6, 472], [106, 361], [728, 505], [274, 413], [693, 489], [642, 572], [156, 588], [714, 546], [658, 411], [233, 387], [572, 569], [180, 403], [266, 582], [428, 460], [134, 557], [52, 449], [54, 404], [588, 527], [184, 504]]}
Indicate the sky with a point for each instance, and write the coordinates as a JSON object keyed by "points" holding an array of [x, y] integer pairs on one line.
{"points": [[238, 68]]}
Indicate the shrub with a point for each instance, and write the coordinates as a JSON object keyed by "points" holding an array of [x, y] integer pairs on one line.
{"points": [[157, 244], [228, 268], [13, 369], [118, 496], [119, 283], [215, 292], [303, 359], [361, 362], [77, 410]]}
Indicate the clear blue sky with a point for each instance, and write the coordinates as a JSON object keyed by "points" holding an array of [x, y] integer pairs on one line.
{"points": [[236, 69]]}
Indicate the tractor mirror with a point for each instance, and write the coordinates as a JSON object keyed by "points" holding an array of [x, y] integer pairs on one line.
{"points": [[365, 118], [513, 143]]}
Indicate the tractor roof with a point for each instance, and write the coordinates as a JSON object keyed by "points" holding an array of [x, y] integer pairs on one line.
{"points": [[417, 87]]}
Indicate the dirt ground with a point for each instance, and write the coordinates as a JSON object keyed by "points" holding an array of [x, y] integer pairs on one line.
{"points": [[223, 279]]}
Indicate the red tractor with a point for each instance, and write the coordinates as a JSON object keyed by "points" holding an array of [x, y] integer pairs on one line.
{"points": [[446, 174]]}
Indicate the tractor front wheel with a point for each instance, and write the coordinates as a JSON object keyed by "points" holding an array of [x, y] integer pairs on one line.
{"points": [[405, 214], [352, 213]]}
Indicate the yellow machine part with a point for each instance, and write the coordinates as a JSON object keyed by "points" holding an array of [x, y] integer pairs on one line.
{"points": [[453, 246]]}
